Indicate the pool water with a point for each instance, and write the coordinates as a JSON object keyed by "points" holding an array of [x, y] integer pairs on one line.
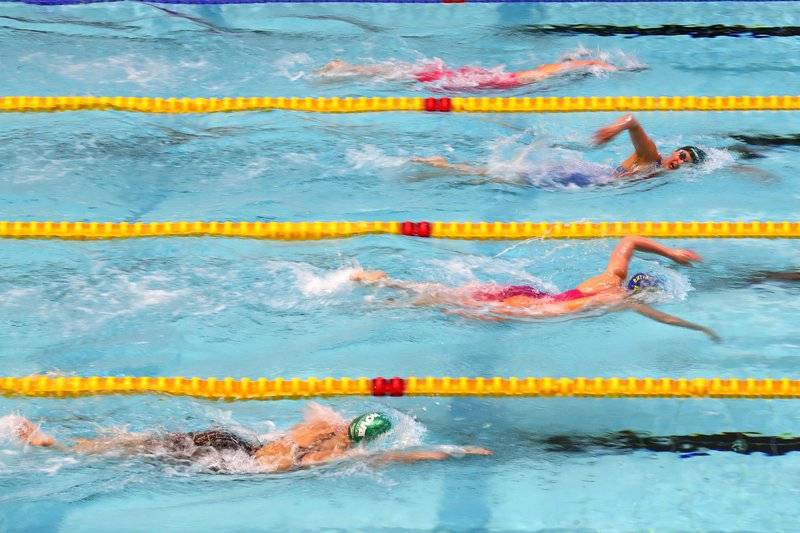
{"points": [[246, 308]]}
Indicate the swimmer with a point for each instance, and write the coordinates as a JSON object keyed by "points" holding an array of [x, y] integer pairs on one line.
{"points": [[690, 445], [645, 162], [316, 441], [469, 77], [607, 291]]}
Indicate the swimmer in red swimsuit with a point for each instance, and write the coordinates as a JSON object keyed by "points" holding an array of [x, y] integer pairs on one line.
{"points": [[608, 290], [645, 161], [321, 438], [469, 77]]}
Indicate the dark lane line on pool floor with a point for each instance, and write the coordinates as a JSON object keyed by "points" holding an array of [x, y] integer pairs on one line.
{"points": [[700, 32]]}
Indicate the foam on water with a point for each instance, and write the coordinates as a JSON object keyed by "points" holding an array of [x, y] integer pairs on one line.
{"points": [[618, 58], [288, 64], [370, 156], [531, 159], [313, 282], [133, 69]]}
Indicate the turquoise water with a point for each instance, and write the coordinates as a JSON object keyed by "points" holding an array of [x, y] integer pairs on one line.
{"points": [[224, 307]]}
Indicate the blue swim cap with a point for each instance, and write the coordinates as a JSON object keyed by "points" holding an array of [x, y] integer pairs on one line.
{"points": [[642, 281]]}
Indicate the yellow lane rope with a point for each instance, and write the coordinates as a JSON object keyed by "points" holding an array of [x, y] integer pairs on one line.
{"points": [[277, 389], [292, 231], [537, 104]]}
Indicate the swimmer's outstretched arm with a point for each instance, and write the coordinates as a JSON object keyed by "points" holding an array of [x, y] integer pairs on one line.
{"points": [[32, 435], [414, 456], [330, 456], [646, 151], [428, 293], [440, 162], [617, 269], [664, 318], [340, 68], [753, 171], [622, 254], [551, 69], [378, 277]]}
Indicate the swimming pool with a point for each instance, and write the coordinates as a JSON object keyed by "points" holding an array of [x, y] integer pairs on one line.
{"points": [[219, 307]]}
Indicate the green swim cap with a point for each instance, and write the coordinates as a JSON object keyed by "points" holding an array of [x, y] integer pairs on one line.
{"points": [[368, 426], [697, 155]]}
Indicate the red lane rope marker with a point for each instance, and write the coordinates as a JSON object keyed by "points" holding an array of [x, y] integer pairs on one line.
{"points": [[394, 387], [438, 104], [416, 229]]}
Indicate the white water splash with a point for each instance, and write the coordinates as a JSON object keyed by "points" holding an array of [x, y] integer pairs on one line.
{"points": [[285, 66], [540, 164], [372, 157], [128, 68], [322, 283], [618, 58]]}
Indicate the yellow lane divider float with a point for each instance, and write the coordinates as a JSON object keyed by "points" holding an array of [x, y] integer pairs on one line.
{"points": [[538, 104], [293, 231], [278, 389]]}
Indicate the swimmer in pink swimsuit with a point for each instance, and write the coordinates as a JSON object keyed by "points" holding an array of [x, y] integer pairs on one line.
{"points": [[607, 290], [469, 77], [501, 293], [645, 162]]}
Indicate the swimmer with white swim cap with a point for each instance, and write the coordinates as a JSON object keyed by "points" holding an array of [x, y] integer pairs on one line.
{"points": [[607, 291], [645, 162], [313, 442]]}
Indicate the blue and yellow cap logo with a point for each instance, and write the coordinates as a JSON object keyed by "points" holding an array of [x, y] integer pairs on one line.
{"points": [[642, 281]]}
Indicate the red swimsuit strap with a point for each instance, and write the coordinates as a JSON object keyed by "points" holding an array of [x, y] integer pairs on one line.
{"points": [[572, 294]]}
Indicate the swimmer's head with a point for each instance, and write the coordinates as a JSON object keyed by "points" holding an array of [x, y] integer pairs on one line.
{"points": [[643, 281], [684, 154], [368, 426]]}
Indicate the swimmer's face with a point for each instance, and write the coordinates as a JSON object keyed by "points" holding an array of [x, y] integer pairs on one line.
{"points": [[677, 160]]}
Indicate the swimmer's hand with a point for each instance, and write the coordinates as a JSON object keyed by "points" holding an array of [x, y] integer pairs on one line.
{"points": [[435, 161], [635, 67], [711, 334], [605, 134], [368, 276], [31, 434], [580, 64], [684, 256], [336, 66], [477, 451]]}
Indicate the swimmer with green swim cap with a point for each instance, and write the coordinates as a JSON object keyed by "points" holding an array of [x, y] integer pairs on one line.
{"points": [[368, 426], [645, 160], [322, 437], [608, 291], [697, 155]]}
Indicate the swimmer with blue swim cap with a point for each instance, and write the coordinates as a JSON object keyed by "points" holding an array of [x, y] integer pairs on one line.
{"points": [[608, 290], [643, 281]]}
